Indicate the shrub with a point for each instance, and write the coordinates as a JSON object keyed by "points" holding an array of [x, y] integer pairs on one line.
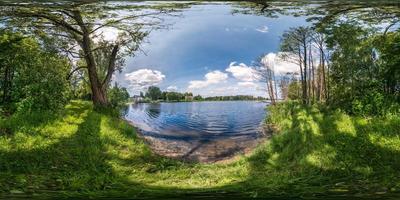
{"points": [[33, 79], [117, 96]]}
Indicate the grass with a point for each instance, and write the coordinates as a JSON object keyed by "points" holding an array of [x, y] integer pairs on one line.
{"points": [[84, 153]]}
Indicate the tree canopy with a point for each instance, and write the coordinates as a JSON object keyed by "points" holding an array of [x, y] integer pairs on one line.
{"points": [[94, 36]]}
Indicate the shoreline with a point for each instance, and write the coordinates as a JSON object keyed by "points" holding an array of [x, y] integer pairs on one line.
{"points": [[162, 147]]}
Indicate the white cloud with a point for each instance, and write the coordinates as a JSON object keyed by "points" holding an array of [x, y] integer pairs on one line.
{"points": [[280, 65], [244, 79], [213, 77], [247, 84], [197, 84], [242, 72], [106, 33], [172, 88], [263, 29], [143, 78], [236, 29], [216, 76]]}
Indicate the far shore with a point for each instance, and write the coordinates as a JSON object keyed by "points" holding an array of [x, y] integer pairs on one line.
{"points": [[161, 101]]}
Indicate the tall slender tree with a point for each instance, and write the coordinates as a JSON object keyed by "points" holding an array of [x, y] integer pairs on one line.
{"points": [[295, 43]]}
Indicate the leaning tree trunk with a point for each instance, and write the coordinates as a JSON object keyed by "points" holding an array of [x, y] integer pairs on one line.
{"points": [[99, 93]]}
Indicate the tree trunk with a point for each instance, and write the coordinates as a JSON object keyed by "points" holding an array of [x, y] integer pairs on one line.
{"points": [[7, 86], [324, 81], [301, 75], [305, 97], [319, 80], [312, 74], [99, 93]]}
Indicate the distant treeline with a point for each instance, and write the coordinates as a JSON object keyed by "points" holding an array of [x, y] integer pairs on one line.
{"points": [[155, 94], [235, 98]]}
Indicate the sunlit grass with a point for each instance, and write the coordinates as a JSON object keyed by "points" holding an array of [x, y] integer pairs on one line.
{"points": [[84, 152]]}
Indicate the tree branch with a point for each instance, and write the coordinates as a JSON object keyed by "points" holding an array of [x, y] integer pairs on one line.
{"points": [[49, 17], [390, 26], [73, 71], [111, 65], [124, 18]]}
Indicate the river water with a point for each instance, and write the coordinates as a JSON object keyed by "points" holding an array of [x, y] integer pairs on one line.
{"points": [[199, 131]]}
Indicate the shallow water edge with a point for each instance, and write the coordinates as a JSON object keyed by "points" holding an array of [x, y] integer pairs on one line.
{"points": [[217, 151]]}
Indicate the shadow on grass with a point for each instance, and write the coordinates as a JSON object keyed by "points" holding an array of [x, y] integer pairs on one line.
{"points": [[80, 157], [313, 157]]}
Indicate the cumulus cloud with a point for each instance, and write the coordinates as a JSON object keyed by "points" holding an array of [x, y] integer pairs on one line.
{"points": [[216, 76], [280, 65], [172, 88], [263, 29], [144, 78], [213, 77], [242, 72]]}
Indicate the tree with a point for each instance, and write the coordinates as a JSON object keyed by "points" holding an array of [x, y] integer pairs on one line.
{"points": [[362, 71], [154, 93], [174, 96], [264, 71], [284, 85], [117, 95], [78, 29], [32, 78], [294, 90], [198, 98], [296, 44], [319, 40]]}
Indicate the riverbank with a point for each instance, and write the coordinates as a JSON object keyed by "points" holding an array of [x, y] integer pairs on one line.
{"points": [[84, 153]]}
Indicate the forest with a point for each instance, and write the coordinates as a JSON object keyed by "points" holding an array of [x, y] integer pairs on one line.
{"points": [[335, 123]]}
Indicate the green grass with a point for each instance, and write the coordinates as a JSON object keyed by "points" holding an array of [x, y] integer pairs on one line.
{"points": [[84, 153]]}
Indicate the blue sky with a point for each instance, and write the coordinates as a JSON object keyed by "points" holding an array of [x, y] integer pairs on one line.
{"points": [[207, 51]]}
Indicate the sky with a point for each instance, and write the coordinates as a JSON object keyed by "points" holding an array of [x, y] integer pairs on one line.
{"points": [[208, 51]]}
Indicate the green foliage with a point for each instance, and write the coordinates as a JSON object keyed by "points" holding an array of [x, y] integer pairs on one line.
{"points": [[82, 91], [294, 90], [82, 152], [154, 93], [174, 96], [363, 77], [31, 77], [117, 96], [388, 46], [331, 146], [198, 98]]}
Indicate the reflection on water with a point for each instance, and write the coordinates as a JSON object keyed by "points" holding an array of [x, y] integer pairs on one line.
{"points": [[199, 131]]}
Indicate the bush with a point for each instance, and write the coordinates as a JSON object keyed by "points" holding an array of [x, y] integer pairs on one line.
{"points": [[33, 78], [117, 96], [294, 90]]}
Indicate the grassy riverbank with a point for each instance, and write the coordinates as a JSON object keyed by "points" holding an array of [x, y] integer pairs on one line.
{"points": [[87, 153]]}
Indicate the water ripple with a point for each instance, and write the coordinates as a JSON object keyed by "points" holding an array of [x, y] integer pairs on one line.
{"points": [[194, 121]]}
